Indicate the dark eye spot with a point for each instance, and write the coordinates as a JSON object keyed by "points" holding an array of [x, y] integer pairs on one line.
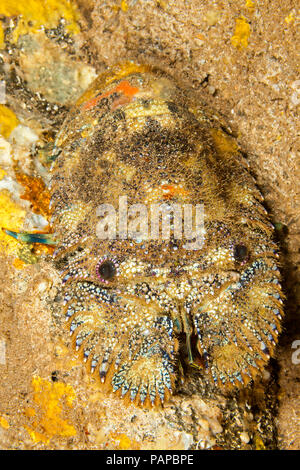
{"points": [[106, 270], [240, 253], [54, 376]]}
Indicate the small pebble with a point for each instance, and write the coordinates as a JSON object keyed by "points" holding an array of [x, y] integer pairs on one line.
{"points": [[244, 436], [266, 375]]}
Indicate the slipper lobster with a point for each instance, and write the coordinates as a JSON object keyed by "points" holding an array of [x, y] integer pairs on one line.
{"points": [[131, 302]]}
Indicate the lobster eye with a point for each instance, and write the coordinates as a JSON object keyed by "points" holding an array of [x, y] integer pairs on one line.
{"points": [[106, 270], [240, 253]]}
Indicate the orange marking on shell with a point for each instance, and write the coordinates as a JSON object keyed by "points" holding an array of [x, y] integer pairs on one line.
{"points": [[124, 87], [171, 190], [127, 89]]}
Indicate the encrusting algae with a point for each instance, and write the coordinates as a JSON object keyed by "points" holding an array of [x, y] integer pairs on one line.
{"points": [[8, 121], [241, 34], [12, 216], [46, 421], [34, 15]]}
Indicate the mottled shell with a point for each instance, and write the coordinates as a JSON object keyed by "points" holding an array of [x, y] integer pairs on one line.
{"points": [[130, 303]]}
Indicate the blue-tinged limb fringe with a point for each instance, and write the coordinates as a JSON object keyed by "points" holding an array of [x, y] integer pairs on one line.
{"points": [[45, 238]]}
